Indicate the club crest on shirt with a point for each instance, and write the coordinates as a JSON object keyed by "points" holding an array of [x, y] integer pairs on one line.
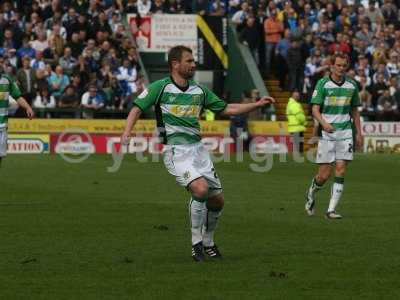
{"points": [[196, 99], [186, 175]]}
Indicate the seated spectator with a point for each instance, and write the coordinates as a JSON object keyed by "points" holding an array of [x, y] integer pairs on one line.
{"points": [[378, 88], [67, 61], [57, 82], [44, 99], [69, 98], [92, 101], [41, 43], [76, 45], [367, 110], [38, 62], [12, 57], [217, 8], [387, 107], [26, 50]]}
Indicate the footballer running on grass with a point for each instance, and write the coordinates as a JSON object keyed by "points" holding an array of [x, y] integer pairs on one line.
{"points": [[178, 102], [8, 87], [335, 104]]}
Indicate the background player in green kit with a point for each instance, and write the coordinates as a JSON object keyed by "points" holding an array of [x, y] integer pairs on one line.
{"points": [[8, 87], [335, 101], [178, 102]]}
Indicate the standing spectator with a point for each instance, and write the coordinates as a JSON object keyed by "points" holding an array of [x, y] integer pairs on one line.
{"points": [[273, 30], [91, 101], [250, 35], [26, 79], [296, 67], [57, 82], [296, 121], [281, 52], [240, 16], [127, 76], [378, 88]]}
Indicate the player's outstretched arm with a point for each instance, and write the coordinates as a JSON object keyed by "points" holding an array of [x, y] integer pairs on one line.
{"points": [[133, 116], [25, 105], [233, 109], [355, 114]]}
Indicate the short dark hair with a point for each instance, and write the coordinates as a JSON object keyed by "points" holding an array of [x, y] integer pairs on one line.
{"points": [[175, 53], [340, 55]]}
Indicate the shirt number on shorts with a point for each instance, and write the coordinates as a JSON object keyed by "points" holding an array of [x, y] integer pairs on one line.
{"points": [[350, 148]]}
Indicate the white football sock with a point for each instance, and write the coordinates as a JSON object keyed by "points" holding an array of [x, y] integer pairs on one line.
{"points": [[198, 214], [315, 187], [336, 193], [210, 226]]}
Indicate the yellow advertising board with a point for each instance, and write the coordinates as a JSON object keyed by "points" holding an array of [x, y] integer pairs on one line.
{"points": [[143, 126]]}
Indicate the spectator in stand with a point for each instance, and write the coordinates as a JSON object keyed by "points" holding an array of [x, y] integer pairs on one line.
{"points": [[281, 53], [76, 45], [143, 7], [58, 82], [38, 62], [273, 30], [217, 8], [92, 101], [127, 76], [387, 107], [26, 50], [67, 61], [240, 16], [69, 98], [366, 108], [40, 44], [295, 64], [12, 58], [250, 36], [201, 7], [378, 89], [26, 79], [44, 99]]}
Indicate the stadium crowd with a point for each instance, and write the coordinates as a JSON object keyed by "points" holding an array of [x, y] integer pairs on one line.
{"points": [[76, 53]]}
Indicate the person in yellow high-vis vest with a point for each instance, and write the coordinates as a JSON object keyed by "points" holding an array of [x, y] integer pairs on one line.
{"points": [[296, 121]]}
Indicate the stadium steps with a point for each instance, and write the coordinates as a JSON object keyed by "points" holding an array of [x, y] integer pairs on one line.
{"points": [[282, 98]]}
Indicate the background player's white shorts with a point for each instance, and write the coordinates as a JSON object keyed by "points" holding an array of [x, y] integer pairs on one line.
{"points": [[189, 162], [3, 143], [331, 151]]}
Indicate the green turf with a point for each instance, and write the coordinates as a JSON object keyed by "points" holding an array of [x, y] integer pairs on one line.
{"points": [[78, 232]]}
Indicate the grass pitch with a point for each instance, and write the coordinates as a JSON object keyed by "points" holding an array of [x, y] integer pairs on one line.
{"points": [[75, 231]]}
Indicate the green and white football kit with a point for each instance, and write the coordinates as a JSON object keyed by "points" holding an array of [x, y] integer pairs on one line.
{"points": [[7, 87], [337, 101], [178, 112]]}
